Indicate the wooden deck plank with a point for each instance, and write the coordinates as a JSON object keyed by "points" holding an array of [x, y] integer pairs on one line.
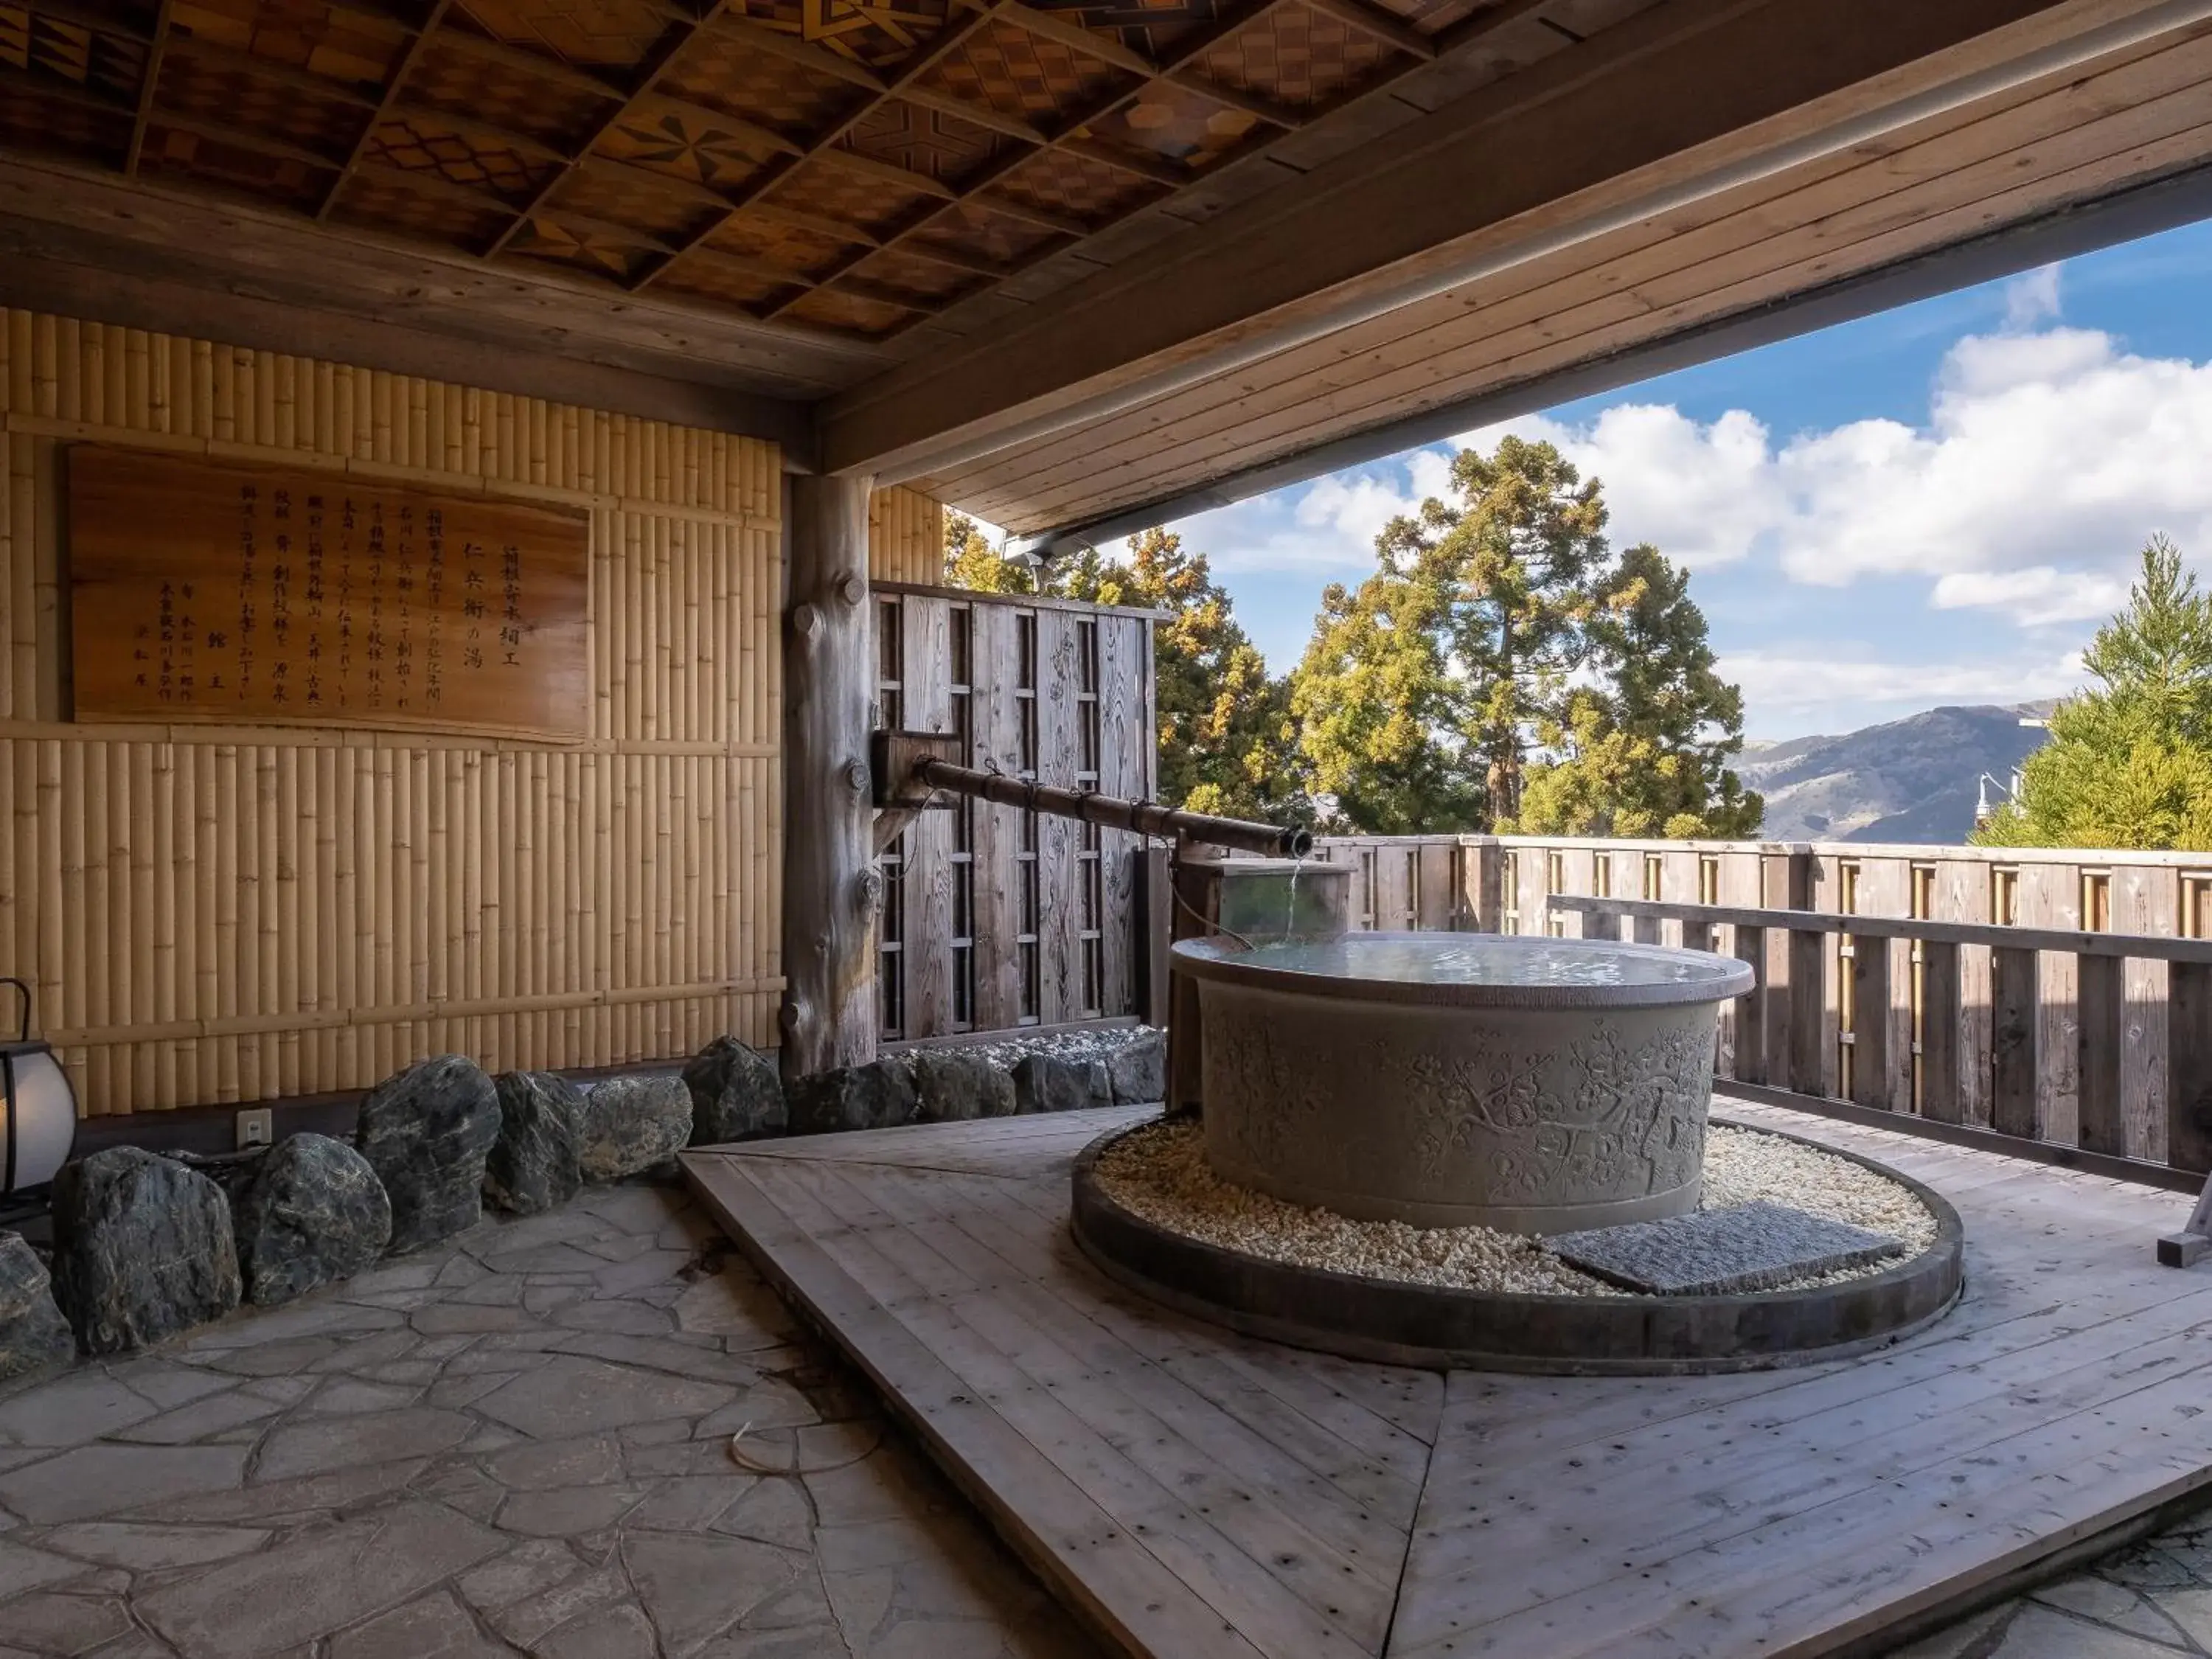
{"points": [[1787, 1512]]}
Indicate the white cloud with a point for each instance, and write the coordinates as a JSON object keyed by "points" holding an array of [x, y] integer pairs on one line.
{"points": [[2032, 297], [2054, 451], [1785, 685], [2035, 597]]}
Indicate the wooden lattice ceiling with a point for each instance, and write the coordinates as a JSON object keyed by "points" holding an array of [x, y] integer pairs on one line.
{"points": [[845, 166]]}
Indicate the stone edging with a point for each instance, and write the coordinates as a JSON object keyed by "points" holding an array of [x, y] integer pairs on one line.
{"points": [[1394, 1323]]}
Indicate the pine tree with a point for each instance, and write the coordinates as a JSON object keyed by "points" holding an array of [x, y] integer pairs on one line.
{"points": [[1496, 625], [2129, 760], [1644, 752]]}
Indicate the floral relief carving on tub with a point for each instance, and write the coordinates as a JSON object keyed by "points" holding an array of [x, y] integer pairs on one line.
{"points": [[1275, 1092]]}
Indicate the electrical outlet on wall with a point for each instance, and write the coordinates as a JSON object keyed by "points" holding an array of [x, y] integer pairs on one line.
{"points": [[256, 1128]]}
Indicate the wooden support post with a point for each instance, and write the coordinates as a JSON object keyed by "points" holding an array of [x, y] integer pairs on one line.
{"points": [[1870, 1022], [1485, 870], [1785, 882], [1939, 1002], [2189, 1066], [831, 890], [1156, 923], [2101, 1040], [1809, 1062], [1751, 1007], [2012, 1043]]}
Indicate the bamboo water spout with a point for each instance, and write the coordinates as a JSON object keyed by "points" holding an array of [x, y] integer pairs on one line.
{"points": [[1146, 817]]}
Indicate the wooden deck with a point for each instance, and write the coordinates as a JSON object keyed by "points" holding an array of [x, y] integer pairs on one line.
{"points": [[1195, 1492]]}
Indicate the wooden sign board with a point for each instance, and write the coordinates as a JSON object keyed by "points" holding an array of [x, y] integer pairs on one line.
{"points": [[208, 591]]}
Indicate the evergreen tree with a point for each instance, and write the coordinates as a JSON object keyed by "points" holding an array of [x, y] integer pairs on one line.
{"points": [[1644, 752], [1498, 624], [2129, 760]]}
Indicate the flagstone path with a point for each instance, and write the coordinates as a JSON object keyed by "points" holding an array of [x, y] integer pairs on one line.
{"points": [[519, 1441]]}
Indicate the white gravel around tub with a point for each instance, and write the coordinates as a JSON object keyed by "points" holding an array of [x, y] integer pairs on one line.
{"points": [[1159, 1172]]}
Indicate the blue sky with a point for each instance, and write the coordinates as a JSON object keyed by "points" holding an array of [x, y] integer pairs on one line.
{"points": [[1935, 505]]}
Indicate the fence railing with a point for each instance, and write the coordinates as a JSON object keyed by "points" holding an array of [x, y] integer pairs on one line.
{"points": [[2058, 1004]]}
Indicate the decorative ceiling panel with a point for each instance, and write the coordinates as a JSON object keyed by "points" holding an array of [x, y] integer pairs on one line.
{"points": [[847, 314], [301, 34], [788, 247], [969, 227], [925, 141], [688, 144], [790, 159], [725, 73], [1178, 123], [1302, 58], [591, 251], [233, 168], [419, 143], [1079, 187], [453, 78], [1431, 15], [830, 192], [375, 203], [622, 200], [1150, 26], [95, 61], [242, 102], [723, 284], [32, 121], [911, 275], [1026, 76], [880, 33], [590, 33]]}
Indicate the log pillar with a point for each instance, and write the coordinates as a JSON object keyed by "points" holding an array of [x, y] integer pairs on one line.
{"points": [[831, 889]]}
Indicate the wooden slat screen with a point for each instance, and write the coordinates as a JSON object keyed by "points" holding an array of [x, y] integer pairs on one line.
{"points": [[1009, 919]]}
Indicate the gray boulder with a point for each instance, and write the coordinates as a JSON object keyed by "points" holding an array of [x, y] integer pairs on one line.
{"points": [[877, 1096], [1042, 1084], [1139, 1069], [950, 1086], [143, 1249], [315, 1213], [33, 1332], [633, 1124], [536, 1163], [736, 1094], [426, 1131]]}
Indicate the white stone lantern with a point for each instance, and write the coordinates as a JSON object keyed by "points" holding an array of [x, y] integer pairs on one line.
{"points": [[38, 1109]]}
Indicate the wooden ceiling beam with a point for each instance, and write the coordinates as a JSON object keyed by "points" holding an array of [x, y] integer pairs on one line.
{"points": [[66, 11], [1076, 38], [1028, 213], [432, 184], [1159, 169], [148, 84], [645, 178], [861, 289], [960, 259], [836, 229], [67, 92], [768, 137], [1252, 103], [759, 270], [410, 56], [629, 235], [982, 115], [1374, 22], [468, 126], [221, 133]]}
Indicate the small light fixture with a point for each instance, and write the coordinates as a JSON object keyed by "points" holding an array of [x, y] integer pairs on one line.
{"points": [[39, 1107]]}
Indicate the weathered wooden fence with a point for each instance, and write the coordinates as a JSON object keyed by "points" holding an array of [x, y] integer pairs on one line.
{"points": [[2060, 998], [994, 916]]}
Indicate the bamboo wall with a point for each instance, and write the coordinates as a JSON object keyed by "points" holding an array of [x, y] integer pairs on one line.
{"points": [[217, 913], [906, 537]]}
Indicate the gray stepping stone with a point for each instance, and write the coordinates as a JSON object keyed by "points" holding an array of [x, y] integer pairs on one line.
{"points": [[1751, 1246]]}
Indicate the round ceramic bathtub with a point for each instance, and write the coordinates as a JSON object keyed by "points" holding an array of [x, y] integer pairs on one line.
{"points": [[1536, 1086]]}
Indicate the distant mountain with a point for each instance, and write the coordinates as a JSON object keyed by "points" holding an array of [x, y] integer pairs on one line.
{"points": [[1913, 780]]}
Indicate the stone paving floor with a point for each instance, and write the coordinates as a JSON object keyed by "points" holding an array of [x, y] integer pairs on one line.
{"points": [[516, 1441], [2152, 1601]]}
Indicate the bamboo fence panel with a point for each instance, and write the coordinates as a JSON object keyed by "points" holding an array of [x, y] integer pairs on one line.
{"points": [[906, 537], [213, 913]]}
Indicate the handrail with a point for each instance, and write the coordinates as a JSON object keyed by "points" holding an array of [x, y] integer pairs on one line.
{"points": [[2148, 947]]}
